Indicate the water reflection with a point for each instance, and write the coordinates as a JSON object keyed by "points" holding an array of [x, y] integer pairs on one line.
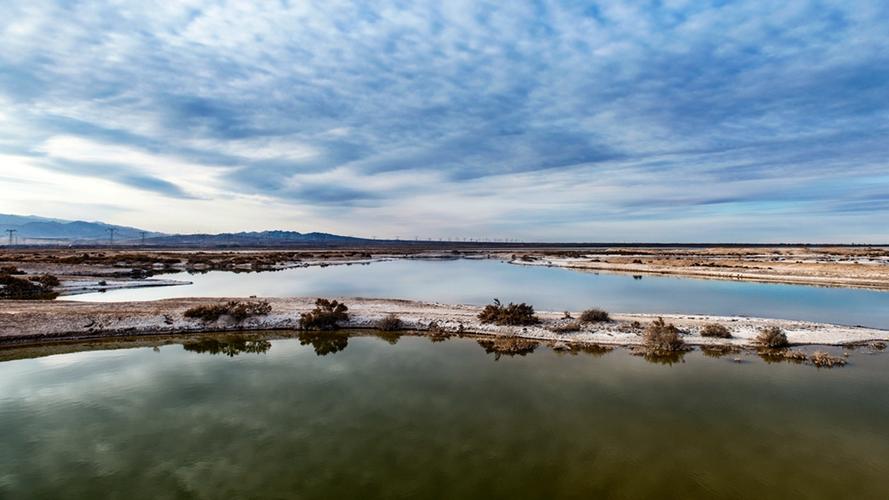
{"points": [[324, 343], [594, 350], [229, 345], [718, 351], [390, 337], [511, 346], [782, 356], [660, 357]]}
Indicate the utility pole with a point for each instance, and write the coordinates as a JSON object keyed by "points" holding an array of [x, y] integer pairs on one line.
{"points": [[11, 235], [111, 231]]}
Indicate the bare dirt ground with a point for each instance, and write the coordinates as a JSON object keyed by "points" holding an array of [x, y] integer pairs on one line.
{"points": [[42, 321], [853, 267]]}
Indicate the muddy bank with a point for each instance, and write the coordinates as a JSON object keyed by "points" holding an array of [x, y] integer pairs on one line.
{"points": [[38, 321]]}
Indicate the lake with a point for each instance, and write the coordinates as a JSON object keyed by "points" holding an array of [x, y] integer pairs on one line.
{"points": [[467, 281], [329, 416]]}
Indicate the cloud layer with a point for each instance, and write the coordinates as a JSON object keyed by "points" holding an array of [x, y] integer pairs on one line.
{"points": [[586, 121]]}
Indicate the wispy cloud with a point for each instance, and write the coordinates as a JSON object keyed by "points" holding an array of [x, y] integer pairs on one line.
{"points": [[554, 120]]}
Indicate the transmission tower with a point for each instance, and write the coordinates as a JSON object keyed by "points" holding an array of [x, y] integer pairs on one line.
{"points": [[143, 233], [111, 231], [11, 235]]}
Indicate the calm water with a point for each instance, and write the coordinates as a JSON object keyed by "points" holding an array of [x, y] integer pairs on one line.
{"points": [[408, 418], [478, 281]]}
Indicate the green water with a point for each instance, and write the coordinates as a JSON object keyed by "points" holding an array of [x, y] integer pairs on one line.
{"points": [[408, 418]]}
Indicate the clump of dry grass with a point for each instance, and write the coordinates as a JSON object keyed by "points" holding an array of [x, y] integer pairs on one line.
{"points": [[715, 330], [325, 316], [569, 327], [238, 310], [389, 323], [15, 288], [772, 337], [594, 316], [662, 337], [631, 327], [824, 360], [512, 314], [10, 270]]}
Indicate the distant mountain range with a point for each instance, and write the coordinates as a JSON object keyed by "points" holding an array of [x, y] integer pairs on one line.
{"points": [[262, 238], [34, 230], [30, 229]]}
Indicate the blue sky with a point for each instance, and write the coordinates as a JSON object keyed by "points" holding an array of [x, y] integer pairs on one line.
{"points": [[563, 120]]}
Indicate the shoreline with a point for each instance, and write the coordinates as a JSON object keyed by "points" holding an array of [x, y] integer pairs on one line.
{"points": [[38, 322], [81, 271], [879, 283]]}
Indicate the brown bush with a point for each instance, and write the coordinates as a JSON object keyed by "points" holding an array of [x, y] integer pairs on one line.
{"points": [[661, 337], [512, 314], [772, 337], [21, 289], [825, 360], [46, 280], [10, 270], [388, 323], [325, 316], [236, 309], [715, 330], [594, 316]]}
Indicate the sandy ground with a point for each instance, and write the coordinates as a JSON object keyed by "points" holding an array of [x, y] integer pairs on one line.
{"points": [[40, 321]]}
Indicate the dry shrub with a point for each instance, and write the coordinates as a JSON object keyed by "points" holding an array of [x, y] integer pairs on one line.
{"points": [[325, 316], [825, 360], [594, 316], [48, 281], [772, 337], [715, 330], [661, 337], [388, 323], [632, 327], [512, 314], [238, 310], [10, 270]]}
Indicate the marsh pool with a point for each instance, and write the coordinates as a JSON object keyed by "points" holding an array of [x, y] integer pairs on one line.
{"points": [[476, 282], [333, 416]]}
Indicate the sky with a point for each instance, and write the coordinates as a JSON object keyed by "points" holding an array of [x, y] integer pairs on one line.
{"points": [[671, 120]]}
